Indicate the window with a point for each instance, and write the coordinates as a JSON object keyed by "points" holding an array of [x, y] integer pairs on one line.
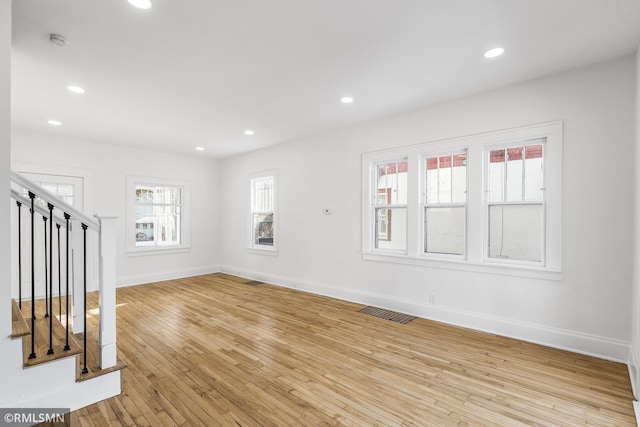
{"points": [[390, 200], [445, 204], [263, 216], [157, 215], [487, 202], [516, 209]]}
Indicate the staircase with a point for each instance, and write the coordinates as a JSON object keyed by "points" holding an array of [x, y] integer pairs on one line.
{"points": [[65, 336]]}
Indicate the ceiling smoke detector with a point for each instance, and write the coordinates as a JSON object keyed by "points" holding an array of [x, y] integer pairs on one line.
{"points": [[58, 40]]}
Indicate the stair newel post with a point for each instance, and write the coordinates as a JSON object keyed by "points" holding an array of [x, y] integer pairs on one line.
{"points": [[84, 239], [46, 271], [33, 279], [59, 277], [19, 254], [107, 255], [67, 217], [50, 206]]}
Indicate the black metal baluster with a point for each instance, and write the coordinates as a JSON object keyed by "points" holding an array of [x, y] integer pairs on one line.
{"points": [[19, 254], [59, 278], [84, 230], [33, 280], [67, 217], [46, 271], [50, 206]]}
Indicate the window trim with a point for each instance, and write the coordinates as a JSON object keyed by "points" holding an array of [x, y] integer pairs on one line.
{"points": [[252, 247], [477, 222], [185, 229]]}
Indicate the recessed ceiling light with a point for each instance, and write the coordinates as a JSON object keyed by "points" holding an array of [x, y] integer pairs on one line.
{"points": [[75, 89], [200, 148], [495, 52], [346, 100], [249, 132], [141, 4], [54, 123]]}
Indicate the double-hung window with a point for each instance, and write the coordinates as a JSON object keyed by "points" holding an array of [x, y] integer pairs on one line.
{"points": [[489, 202], [263, 214], [156, 213], [390, 205], [516, 208], [445, 204]]}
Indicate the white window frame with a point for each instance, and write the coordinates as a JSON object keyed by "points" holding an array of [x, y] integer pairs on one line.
{"points": [[185, 231], [252, 246], [476, 258], [542, 203], [388, 206]]}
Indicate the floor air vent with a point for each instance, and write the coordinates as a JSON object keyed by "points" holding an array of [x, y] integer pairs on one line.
{"points": [[253, 283], [381, 313]]}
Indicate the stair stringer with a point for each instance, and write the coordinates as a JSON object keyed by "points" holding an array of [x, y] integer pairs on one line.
{"points": [[52, 384]]}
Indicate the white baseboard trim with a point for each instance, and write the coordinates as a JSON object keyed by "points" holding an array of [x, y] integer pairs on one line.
{"points": [[634, 373], [165, 275], [577, 342]]}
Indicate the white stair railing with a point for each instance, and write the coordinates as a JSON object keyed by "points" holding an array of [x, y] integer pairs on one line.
{"points": [[64, 215]]}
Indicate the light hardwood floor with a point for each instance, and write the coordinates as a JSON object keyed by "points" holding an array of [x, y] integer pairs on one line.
{"points": [[212, 351]]}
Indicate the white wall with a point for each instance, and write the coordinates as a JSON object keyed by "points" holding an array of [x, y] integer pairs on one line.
{"points": [[5, 137], [588, 311], [108, 166], [634, 363]]}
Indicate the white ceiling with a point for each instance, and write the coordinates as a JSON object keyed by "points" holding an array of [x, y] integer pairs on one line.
{"points": [[199, 72]]}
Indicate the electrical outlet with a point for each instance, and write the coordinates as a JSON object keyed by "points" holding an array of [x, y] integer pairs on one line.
{"points": [[432, 298]]}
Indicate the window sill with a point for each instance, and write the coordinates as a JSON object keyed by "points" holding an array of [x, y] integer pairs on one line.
{"points": [[263, 251], [465, 265], [157, 250]]}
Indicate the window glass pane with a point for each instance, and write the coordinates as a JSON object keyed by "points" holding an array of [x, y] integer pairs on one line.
{"points": [[63, 191], [534, 176], [496, 175], [432, 180], [167, 221], [263, 229], [459, 178], [515, 232], [263, 194], [144, 194], [444, 230], [144, 225], [444, 179], [391, 178], [391, 228], [514, 164]]}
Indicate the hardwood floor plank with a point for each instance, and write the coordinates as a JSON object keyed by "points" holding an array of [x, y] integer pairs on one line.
{"points": [[212, 350]]}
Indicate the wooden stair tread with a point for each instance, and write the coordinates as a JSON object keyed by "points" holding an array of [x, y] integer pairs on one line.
{"points": [[42, 343], [19, 326], [93, 360]]}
